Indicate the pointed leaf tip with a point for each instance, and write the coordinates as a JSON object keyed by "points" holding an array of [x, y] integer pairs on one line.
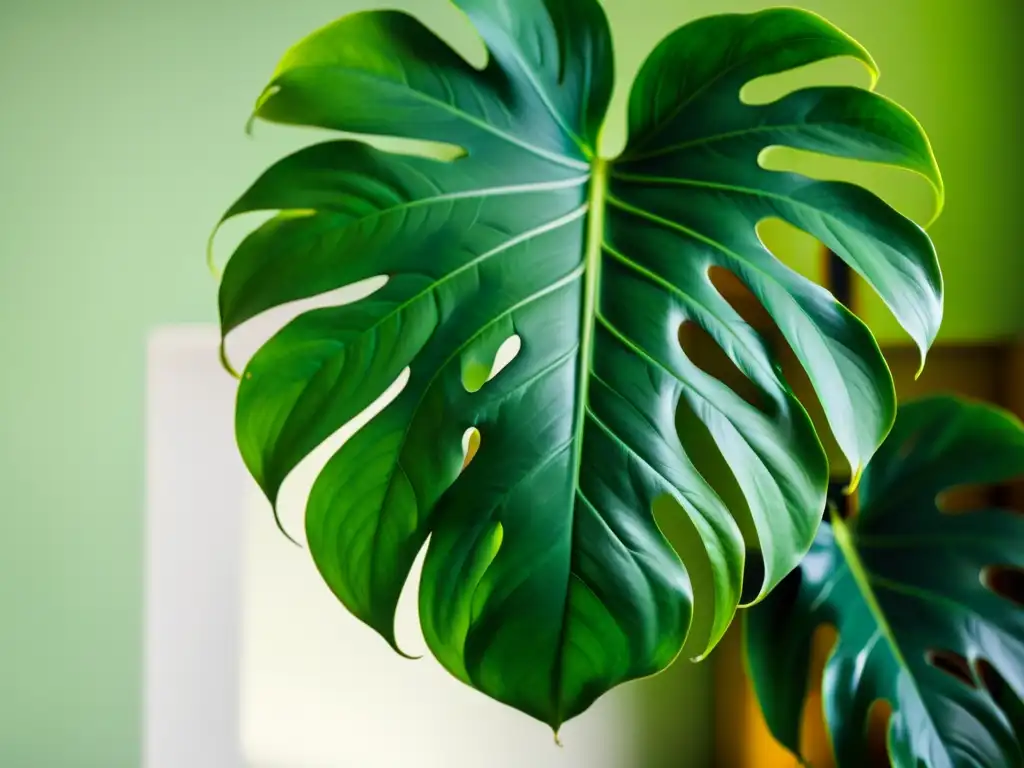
{"points": [[268, 93], [397, 649], [282, 529], [920, 367], [388, 633], [854, 481]]}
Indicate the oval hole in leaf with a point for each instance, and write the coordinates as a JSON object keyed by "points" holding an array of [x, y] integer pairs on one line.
{"points": [[964, 498], [1007, 581], [1005, 496], [841, 70], [507, 352], [470, 446], [475, 374], [433, 150], [952, 664], [243, 342], [879, 715]]}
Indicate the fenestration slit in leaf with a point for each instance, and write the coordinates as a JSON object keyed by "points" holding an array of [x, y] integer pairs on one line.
{"points": [[1006, 581]]}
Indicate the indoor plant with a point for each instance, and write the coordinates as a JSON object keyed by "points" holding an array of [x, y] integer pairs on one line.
{"points": [[547, 580], [927, 597]]}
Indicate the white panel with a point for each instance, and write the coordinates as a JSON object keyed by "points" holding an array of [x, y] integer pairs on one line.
{"points": [[316, 689], [196, 488]]}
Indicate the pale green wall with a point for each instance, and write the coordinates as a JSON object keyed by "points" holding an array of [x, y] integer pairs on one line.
{"points": [[120, 142]]}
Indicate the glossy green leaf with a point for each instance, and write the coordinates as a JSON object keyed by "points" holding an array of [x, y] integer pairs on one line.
{"points": [[910, 589], [547, 580]]}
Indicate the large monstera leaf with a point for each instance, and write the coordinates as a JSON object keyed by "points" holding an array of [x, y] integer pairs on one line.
{"points": [[914, 593], [547, 580]]}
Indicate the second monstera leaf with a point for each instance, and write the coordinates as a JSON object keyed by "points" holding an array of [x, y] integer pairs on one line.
{"points": [[547, 580], [923, 601]]}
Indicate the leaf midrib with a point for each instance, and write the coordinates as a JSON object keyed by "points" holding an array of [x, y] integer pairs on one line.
{"points": [[844, 540], [596, 202]]}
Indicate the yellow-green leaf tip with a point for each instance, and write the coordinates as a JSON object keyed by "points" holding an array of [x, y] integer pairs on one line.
{"points": [[397, 649], [920, 367], [854, 481]]}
